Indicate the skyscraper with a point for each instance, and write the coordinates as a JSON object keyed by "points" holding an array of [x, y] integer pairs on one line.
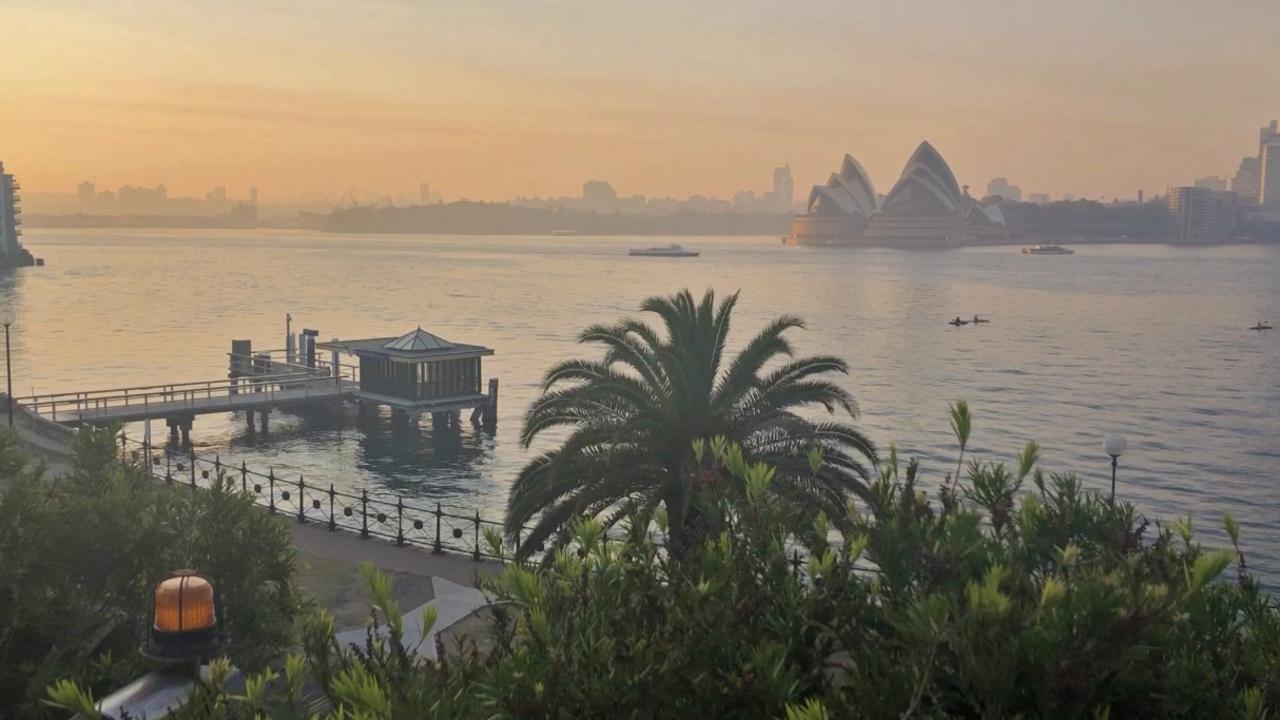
{"points": [[12, 254], [784, 189], [1267, 134], [1213, 182], [86, 195], [1198, 214], [1245, 182], [1269, 175]]}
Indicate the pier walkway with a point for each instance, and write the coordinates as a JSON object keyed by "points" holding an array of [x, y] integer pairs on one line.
{"points": [[188, 399]]}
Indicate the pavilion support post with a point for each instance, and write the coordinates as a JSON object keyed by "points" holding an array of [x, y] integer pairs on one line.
{"points": [[172, 422], [186, 424], [263, 414], [248, 419], [491, 408]]}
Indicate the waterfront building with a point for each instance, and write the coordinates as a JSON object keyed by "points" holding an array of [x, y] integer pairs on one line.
{"points": [[12, 254], [1197, 214], [925, 208], [1269, 175], [1245, 182], [1038, 198]]}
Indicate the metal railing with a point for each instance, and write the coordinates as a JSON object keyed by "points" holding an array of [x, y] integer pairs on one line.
{"points": [[248, 361], [436, 526], [95, 404], [442, 528]]}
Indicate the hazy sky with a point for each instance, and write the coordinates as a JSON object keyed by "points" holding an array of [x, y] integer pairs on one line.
{"points": [[486, 100]]}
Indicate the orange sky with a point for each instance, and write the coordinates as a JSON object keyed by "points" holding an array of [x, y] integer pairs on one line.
{"points": [[492, 99]]}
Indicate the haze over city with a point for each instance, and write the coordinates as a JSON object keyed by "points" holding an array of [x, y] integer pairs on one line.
{"points": [[495, 100]]}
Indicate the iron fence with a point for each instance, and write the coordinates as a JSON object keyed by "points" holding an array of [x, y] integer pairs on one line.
{"points": [[442, 528], [435, 526]]}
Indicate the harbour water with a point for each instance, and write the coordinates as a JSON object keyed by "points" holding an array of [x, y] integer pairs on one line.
{"points": [[1149, 341]]}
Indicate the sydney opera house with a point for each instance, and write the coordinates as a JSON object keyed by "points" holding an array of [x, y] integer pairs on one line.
{"points": [[925, 208]]}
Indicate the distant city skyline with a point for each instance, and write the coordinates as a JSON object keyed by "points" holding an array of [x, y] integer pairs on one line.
{"points": [[496, 100]]}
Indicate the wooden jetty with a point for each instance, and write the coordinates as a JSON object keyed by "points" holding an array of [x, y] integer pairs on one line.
{"points": [[412, 374]]}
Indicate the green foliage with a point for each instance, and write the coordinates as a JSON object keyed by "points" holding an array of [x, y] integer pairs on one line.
{"points": [[1065, 607], [80, 554], [641, 419]]}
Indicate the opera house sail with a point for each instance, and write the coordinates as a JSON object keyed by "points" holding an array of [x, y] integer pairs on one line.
{"points": [[839, 210], [925, 208]]}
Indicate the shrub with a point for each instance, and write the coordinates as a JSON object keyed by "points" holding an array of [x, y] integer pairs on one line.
{"points": [[1015, 593], [79, 556]]}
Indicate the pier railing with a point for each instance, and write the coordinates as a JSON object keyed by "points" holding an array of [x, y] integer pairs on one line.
{"points": [[272, 360], [91, 403]]}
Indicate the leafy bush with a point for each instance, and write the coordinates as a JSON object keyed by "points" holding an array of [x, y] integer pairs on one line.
{"points": [[1016, 593], [80, 554]]}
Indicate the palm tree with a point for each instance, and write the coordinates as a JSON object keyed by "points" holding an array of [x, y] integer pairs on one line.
{"points": [[633, 416]]}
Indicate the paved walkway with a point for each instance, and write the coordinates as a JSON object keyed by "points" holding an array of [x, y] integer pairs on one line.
{"points": [[348, 547]]}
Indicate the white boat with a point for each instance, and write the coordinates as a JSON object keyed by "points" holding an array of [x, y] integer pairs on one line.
{"points": [[671, 250], [1047, 250]]}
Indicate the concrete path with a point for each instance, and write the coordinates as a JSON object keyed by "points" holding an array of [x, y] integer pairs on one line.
{"points": [[345, 546]]}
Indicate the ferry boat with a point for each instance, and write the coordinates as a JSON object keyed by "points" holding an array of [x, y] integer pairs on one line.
{"points": [[1047, 250], [564, 233], [671, 250]]}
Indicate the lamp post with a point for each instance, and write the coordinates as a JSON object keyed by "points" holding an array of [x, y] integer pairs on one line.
{"points": [[7, 317], [1114, 445]]}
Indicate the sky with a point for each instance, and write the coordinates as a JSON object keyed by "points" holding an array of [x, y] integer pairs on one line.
{"points": [[495, 98]]}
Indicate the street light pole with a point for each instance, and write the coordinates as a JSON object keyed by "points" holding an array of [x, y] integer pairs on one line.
{"points": [[7, 318], [1114, 445], [1115, 460]]}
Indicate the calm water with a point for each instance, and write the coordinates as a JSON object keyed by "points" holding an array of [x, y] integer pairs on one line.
{"points": [[1149, 341]]}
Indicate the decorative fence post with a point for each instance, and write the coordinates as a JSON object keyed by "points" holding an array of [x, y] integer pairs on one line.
{"points": [[795, 562], [400, 521], [124, 449], [476, 552], [217, 466], [364, 513], [193, 467], [244, 477], [302, 499], [333, 521], [271, 489], [437, 547]]}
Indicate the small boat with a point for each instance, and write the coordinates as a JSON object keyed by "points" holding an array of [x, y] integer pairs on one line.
{"points": [[978, 319], [671, 250], [564, 233], [1047, 250], [958, 322], [1261, 326]]}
